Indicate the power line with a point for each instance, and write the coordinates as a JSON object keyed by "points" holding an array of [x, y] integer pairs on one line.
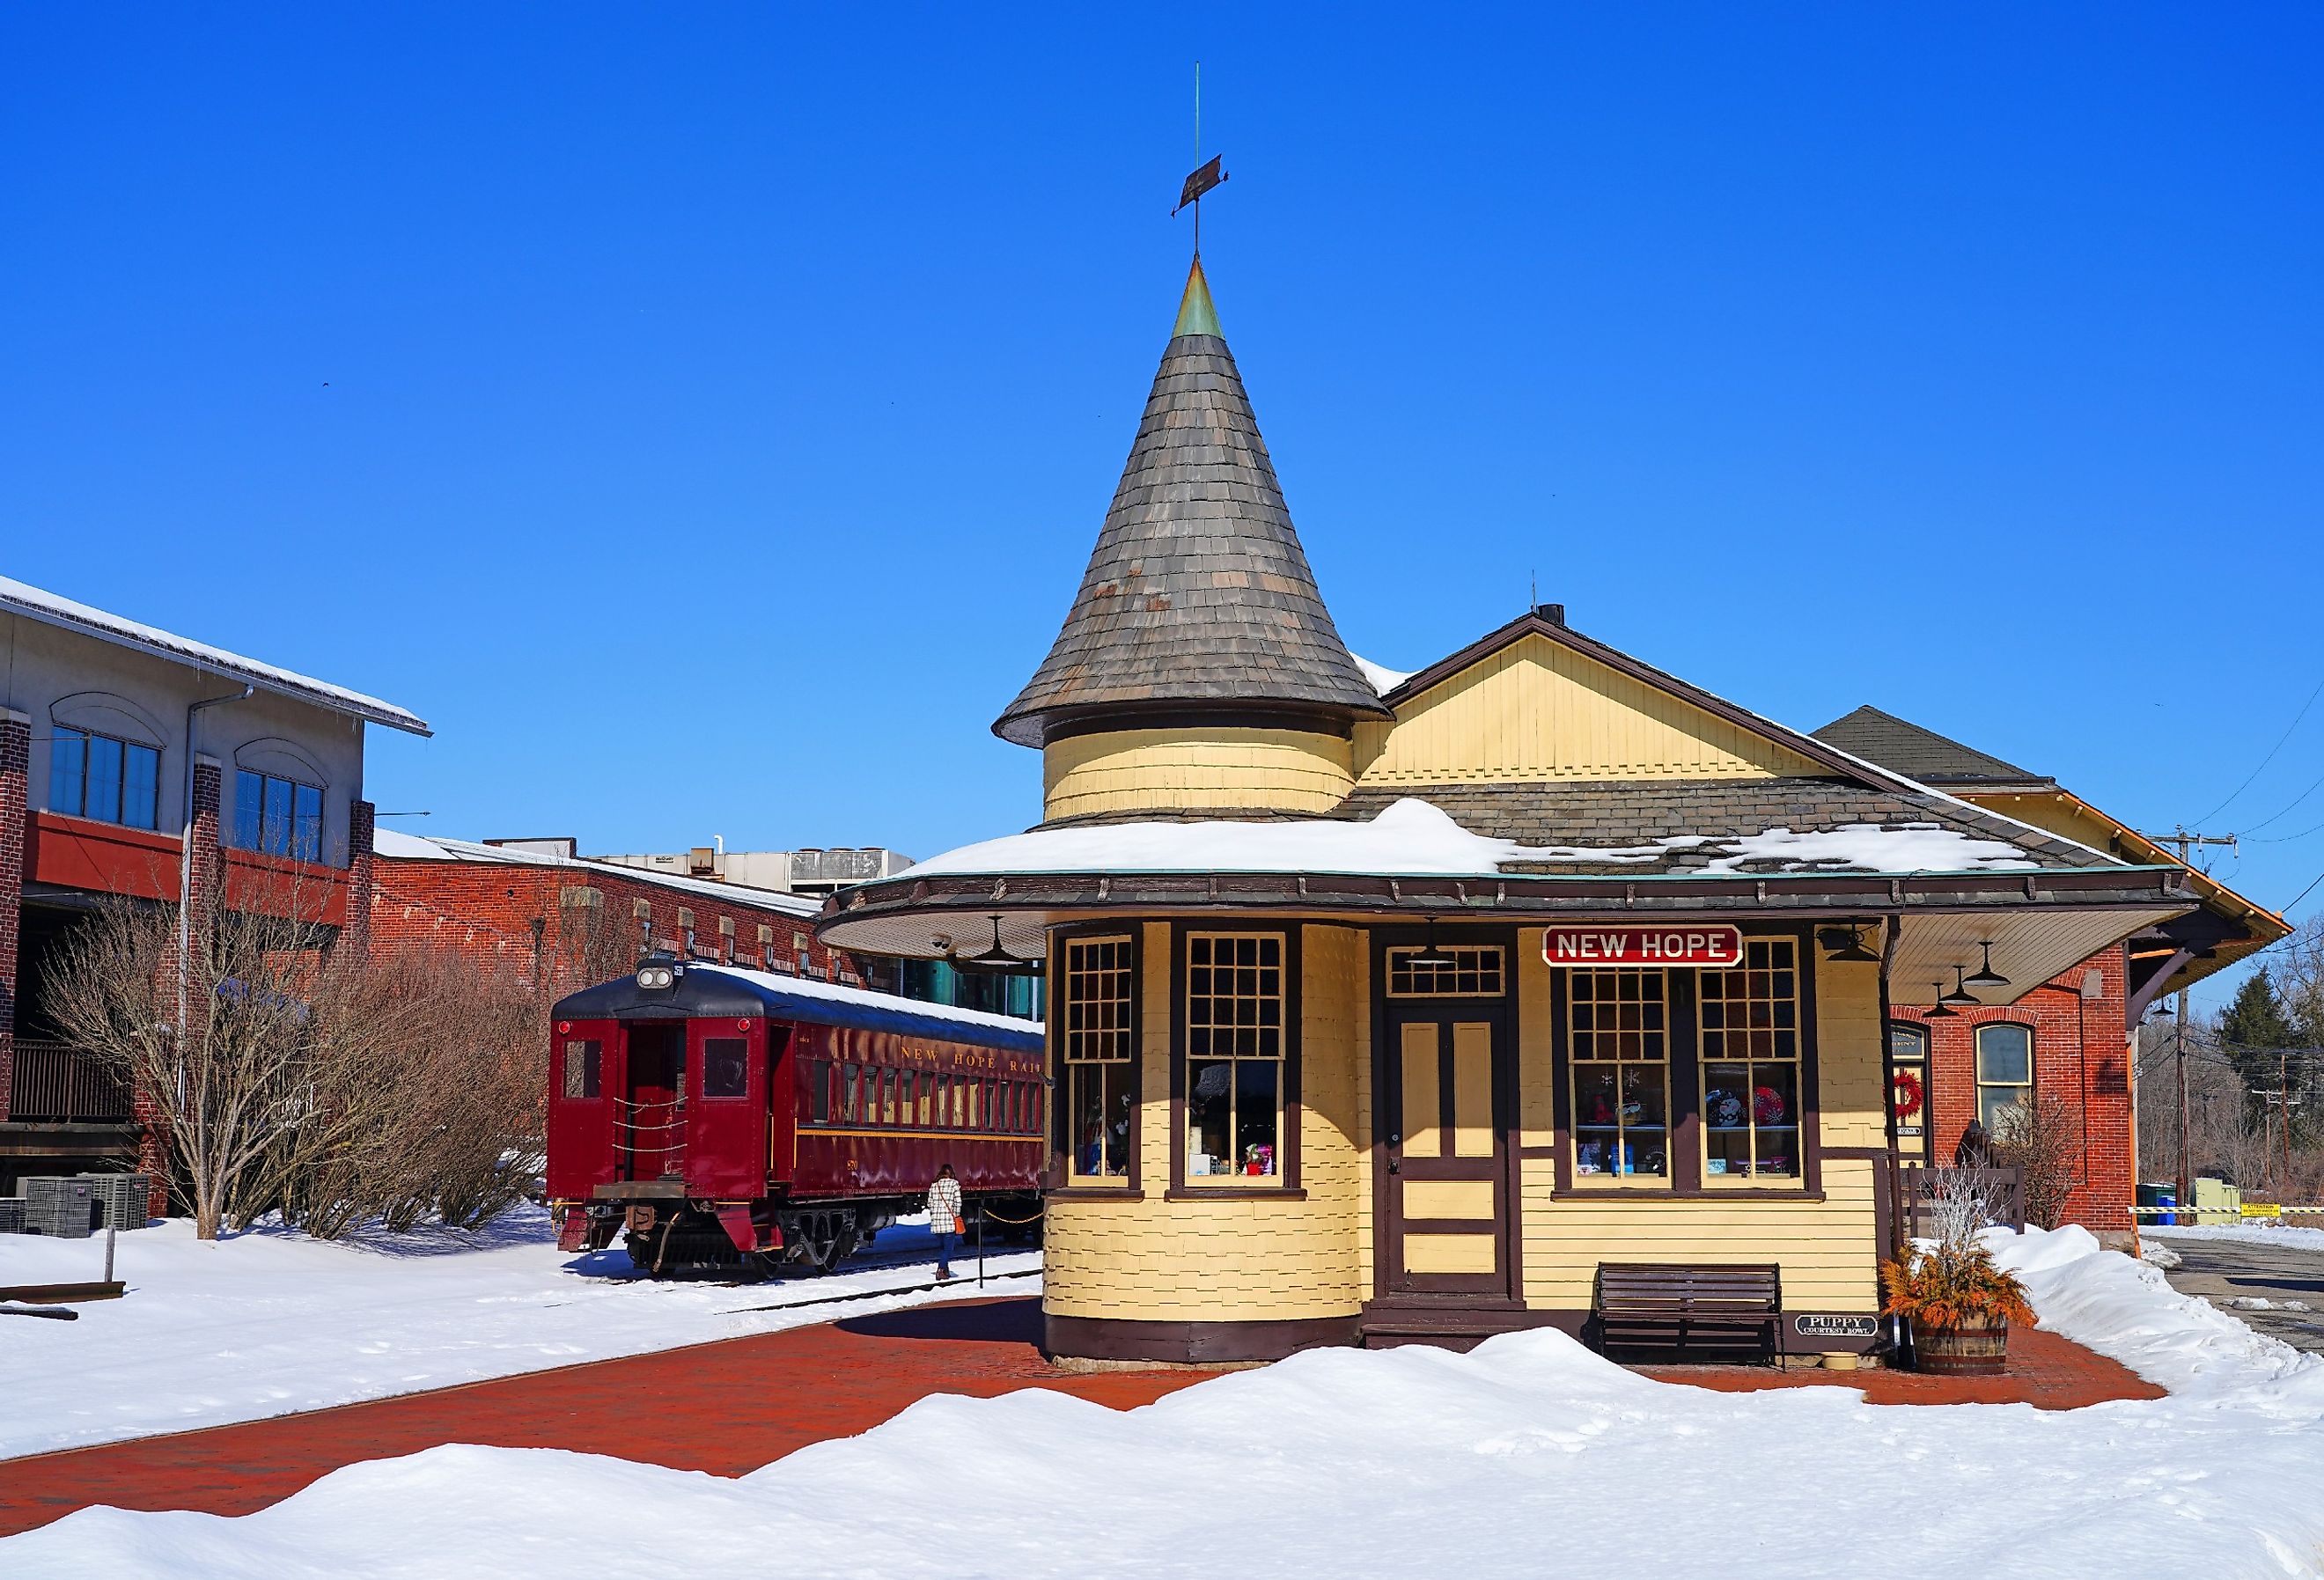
{"points": [[2271, 751], [2295, 800]]}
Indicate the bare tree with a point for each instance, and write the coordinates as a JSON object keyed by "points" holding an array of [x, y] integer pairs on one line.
{"points": [[2042, 1140], [332, 1088]]}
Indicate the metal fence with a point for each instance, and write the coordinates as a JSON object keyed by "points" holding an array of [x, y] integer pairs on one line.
{"points": [[2005, 1189], [53, 1082]]}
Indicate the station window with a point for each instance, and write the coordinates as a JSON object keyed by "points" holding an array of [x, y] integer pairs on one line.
{"points": [[1098, 985], [2005, 1074], [725, 1067], [277, 816], [101, 777], [584, 1066], [1750, 1031], [1235, 1052], [1618, 1035]]}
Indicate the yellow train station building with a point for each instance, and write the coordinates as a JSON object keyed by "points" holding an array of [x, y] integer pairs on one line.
{"points": [[1392, 1008]]}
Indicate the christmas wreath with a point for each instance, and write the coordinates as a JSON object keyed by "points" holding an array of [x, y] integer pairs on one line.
{"points": [[1907, 1094]]}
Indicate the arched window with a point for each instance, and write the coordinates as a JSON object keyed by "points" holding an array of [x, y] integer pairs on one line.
{"points": [[2004, 1073], [104, 760]]}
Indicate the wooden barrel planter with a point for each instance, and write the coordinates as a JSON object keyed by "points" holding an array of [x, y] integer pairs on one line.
{"points": [[1962, 1352]]}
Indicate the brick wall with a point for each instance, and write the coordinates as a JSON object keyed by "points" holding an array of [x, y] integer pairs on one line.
{"points": [[15, 756], [577, 925], [2081, 1056]]}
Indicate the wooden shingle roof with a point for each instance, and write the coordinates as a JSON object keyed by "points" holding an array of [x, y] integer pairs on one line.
{"points": [[1198, 595], [1919, 752]]}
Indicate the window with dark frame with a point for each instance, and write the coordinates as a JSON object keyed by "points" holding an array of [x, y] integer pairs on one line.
{"points": [[1749, 1027], [1100, 1054], [725, 1067], [1234, 1051], [277, 816], [584, 1063], [1467, 970], [103, 777], [2004, 1073], [818, 1093]]}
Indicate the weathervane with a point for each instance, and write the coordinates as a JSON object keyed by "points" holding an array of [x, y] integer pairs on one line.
{"points": [[1205, 176]]}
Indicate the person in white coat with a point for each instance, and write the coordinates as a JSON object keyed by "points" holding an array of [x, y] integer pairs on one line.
{"points": [[944, 1217]]}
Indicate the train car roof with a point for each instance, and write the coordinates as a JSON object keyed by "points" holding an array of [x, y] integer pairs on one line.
{"points": [[729, 990]]}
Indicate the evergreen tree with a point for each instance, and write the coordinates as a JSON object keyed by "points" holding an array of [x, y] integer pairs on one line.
{"points": [[2253, 1026]]}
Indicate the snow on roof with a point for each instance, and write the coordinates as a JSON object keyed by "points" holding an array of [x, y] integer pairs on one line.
{"points": [[412, 848], [1383, 678], [1413, 838], [872, 999], [50, 609]]}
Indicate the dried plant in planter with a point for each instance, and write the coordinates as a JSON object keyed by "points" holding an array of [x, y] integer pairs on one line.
{"points": [[1959, 1303]]}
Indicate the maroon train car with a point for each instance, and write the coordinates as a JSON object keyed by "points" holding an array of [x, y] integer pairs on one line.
{"points": [[733, 1120]]}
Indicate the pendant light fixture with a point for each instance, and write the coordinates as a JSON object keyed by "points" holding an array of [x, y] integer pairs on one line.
{"points": [[996, 958], [1941, 1011], [1960, 994], [1431, 957], [1986, 975]]}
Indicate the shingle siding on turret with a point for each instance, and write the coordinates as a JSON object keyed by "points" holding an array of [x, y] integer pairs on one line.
{"points": [[1198, 593]]}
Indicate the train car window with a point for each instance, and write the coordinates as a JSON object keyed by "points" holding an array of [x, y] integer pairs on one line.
{"points": [[818, 1093], [1036, 1126], [852, 1108], [584, 1063], [956, 1115], [725, 1067], [887, 1096]]}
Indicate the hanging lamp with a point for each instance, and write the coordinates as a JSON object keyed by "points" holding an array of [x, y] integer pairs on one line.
{"points": [[1941, 1011], [1430, 956], [997, 958], [1960, 994], [1847, 944], [1985, 975]]}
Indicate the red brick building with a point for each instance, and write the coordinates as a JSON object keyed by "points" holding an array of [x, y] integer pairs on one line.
{"points": [[2071, 1038], [536, 908]]}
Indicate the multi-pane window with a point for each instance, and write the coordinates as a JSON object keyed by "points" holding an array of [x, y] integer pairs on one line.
{"points": [[1234, 1054], [1100, 1054], [1462, 971], [1750, 1029], [278, 815], [2005, 1074], [97, 776], [1618, 1037]]}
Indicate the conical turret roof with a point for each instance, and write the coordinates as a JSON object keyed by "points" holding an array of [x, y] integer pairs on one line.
{"points": [[1198, 595]]}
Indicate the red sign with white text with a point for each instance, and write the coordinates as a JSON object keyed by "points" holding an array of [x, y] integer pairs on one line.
{"points": [[1646, 948]]}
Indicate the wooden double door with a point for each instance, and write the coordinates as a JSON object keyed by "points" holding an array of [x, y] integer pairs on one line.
{"points": [[1446, 1079]]}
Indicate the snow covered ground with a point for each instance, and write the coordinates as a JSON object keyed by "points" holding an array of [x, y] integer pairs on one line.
{"points": [[2254, 1234], [1528, 1457], [264, 1323]]}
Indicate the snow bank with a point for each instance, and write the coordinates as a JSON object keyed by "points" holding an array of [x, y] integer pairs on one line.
{"points": [[267, 1322], [2252, 1234], [1527, 1457], [1412, 837]]}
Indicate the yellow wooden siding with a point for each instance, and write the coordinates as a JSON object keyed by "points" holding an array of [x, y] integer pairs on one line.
{"points": [[1827, 1249], [1235, 1261], [1537, 710], [1448, 1198], [1289, 771]]}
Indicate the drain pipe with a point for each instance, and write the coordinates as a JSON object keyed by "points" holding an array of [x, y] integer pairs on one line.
{"points": [[185, 879]]}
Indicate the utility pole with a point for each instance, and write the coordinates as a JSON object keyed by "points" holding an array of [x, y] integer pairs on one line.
{"points": [[2186, 842]]}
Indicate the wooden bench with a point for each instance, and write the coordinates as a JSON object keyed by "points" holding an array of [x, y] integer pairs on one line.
{"points": [[1728, 1311]]}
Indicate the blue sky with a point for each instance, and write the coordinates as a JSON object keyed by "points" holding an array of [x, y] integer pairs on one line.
{"points": [[703, 418]]}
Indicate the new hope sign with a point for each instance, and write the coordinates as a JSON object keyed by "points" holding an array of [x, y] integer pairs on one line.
{"points": [[1643, 946]]}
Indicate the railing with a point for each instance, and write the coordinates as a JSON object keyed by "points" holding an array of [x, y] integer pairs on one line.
{"points": [[51, 1082], [2004, 1189], [656, 1145]]}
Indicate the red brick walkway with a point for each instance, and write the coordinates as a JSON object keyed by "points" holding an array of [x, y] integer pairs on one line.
{"points": [[2045, 1370], [730, 1406], [726, 1408]]}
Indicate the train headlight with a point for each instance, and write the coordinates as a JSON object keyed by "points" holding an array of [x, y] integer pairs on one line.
{"points": [[654, 977]]}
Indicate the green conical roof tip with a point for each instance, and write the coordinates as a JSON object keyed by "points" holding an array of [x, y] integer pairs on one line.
{"points": [[1197, 316]]}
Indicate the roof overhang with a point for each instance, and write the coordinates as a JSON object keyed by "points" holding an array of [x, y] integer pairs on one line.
{"points": [[2041, 922]]}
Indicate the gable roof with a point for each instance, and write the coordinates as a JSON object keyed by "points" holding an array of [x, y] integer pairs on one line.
{"points": [[1536, 623], [34, 602], [1197, 593], [1922, 753]]}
